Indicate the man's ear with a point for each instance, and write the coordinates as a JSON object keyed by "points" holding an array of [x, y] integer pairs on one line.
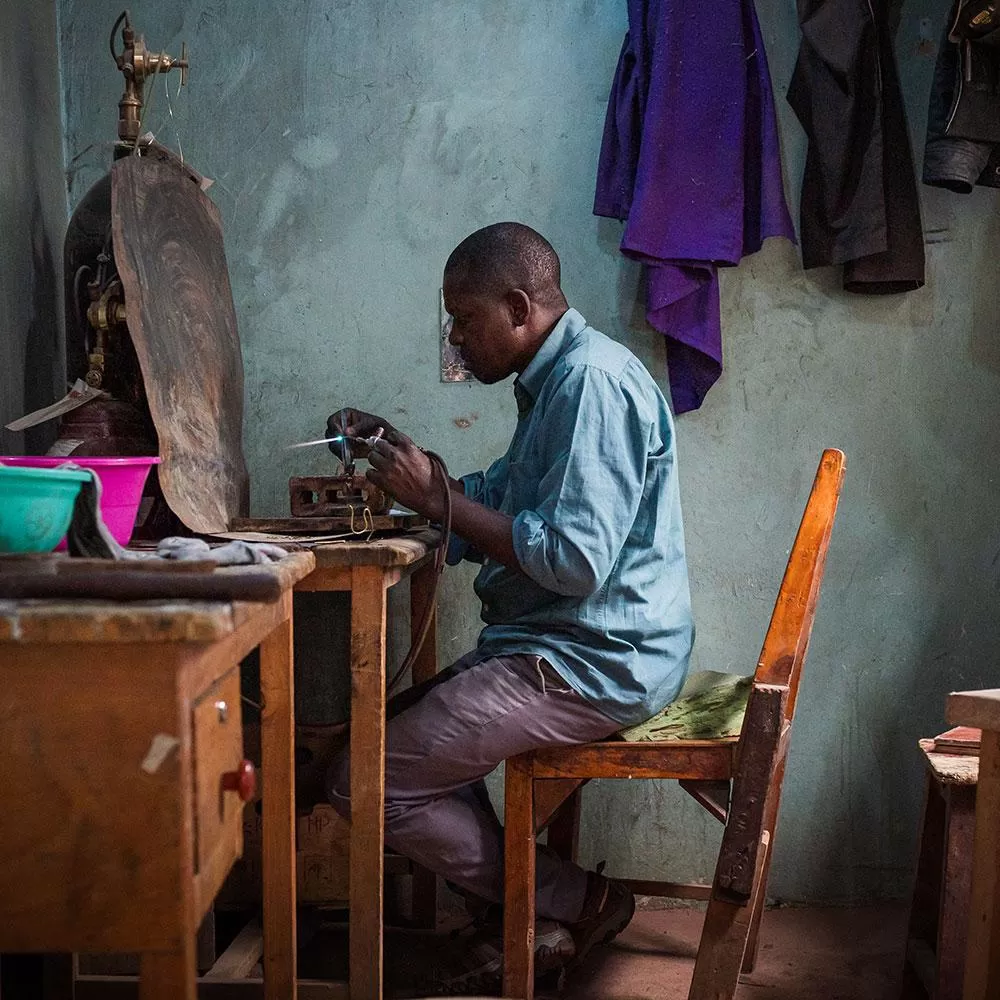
{"points": [[519, 306]]}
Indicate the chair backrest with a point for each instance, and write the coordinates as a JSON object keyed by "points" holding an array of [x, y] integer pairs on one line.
{"points": [[787, 639]]}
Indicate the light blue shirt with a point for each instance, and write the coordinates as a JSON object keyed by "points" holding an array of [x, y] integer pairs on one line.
{"points": [[590, 479]]}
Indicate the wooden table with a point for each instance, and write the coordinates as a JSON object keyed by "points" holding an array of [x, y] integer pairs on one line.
{"points": [[117, 724], [939, 911], [982, 963], [367, 570]]}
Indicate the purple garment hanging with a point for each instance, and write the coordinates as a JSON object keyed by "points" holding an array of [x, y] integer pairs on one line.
{"points": [[690, 159]]}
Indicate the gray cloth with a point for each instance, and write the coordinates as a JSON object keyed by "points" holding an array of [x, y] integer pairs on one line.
{"points": [[443, 737], [88, 537], [232, 554]]}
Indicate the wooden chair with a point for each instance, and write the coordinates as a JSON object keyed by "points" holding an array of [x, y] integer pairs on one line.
{"points": [[737, 780]]}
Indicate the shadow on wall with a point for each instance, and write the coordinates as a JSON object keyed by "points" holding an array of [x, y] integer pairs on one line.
{"points": [[42, 341]]}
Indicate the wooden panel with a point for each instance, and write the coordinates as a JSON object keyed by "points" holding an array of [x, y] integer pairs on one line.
{"points": [[169, 250], [950, 768], [277, 738], [95, 794], [982, 964], [168, 975], [712, 795], [704, 759], [218, 748], [519, 880], [550, 795], [974, 708], [368, 681]]}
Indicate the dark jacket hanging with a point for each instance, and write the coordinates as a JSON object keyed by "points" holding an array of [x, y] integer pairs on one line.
{"points": [[859, 192]]}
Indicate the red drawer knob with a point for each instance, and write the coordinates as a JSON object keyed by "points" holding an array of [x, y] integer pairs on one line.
{"points": [[243, 781]]}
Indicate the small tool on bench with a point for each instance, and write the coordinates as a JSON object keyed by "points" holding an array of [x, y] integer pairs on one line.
{"points": [[338, 496]]}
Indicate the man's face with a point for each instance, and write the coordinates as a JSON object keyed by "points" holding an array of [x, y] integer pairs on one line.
{"points": [[483, 331]]}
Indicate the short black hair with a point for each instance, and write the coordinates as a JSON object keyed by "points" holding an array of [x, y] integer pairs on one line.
{"points": [[508, 255]]}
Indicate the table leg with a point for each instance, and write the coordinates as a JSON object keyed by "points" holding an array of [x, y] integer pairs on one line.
{"points": [[982, 966], [424, 901], [956, 888], [368, 681], [277, 738], [168, 975]]}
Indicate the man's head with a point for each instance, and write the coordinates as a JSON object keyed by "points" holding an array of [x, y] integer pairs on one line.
{"points": [[501, 287]]}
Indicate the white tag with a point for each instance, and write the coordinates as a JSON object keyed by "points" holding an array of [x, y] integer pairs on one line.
{"points": [[80, 393]]}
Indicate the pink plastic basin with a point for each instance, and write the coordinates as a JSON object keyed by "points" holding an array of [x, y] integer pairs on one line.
{"points": [[122, 480]]}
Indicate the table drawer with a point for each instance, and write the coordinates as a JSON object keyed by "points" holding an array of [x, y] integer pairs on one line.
{"points": [[218, 752]]}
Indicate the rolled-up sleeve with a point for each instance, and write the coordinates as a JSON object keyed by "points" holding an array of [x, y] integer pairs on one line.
{"points": [[594, 455]]}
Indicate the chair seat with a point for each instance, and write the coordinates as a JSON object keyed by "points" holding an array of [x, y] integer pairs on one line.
{"points": [[711, 706]]}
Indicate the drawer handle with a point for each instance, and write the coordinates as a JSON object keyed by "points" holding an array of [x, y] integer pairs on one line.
{"points": [[243, 781]]}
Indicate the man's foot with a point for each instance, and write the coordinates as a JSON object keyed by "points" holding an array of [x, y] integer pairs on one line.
{"points": [[607, 909], [479, 968]]}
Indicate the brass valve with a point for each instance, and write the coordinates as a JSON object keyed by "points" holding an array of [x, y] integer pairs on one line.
{"points": [[137, 64]]}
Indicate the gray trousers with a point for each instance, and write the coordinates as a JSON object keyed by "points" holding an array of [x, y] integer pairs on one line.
{"points": [[442, 738]]}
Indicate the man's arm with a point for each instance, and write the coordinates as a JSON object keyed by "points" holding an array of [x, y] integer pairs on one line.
{"points": [[402, 469]]}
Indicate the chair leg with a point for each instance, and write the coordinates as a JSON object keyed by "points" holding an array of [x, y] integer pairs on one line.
{"points": [[724, 938], [564, 831], [519, 881]]}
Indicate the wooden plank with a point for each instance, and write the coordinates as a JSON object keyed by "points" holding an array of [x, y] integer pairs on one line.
{"points": [[668, 890], [982, 963], [239, 959], [368, 681], [950, 768], [519, 880], [713, 795], [787, 639], [278, 804], [404, 550], [701, 759], [422, 596], [168, 248], [754, 780], [321, 525], [974, 708]]}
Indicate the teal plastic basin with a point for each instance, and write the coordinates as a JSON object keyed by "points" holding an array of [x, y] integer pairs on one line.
{"points": [[36, 506]]}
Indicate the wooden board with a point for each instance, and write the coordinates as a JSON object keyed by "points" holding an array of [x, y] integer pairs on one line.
{"points": [[393, 521], [179, 307]]}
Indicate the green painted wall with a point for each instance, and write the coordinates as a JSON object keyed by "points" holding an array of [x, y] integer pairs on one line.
{"points": [[354, 143], [32, 220]]}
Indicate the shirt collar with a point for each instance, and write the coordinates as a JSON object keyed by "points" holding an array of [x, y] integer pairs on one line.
{"points": [[529, 383]]}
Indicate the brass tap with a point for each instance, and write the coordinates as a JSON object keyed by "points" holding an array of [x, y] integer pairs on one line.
{"points": [[137, 64]]}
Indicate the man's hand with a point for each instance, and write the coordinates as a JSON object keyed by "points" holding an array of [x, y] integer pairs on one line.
{"points": [[349, 422], [400, 468]]}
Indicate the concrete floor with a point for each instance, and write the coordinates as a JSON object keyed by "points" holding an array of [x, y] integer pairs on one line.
{"points": [[806, 954]]}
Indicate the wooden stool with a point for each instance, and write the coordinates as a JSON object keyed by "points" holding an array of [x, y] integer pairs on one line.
{"points": [[939, 913]]}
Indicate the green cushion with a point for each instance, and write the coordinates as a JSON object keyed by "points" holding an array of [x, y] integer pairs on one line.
{"points": [[711, 706]]}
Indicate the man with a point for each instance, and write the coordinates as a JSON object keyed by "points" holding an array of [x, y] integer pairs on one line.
{"points": [[583, 585]]}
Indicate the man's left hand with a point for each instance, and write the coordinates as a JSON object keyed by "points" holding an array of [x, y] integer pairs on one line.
{"points": [[400, 468]]}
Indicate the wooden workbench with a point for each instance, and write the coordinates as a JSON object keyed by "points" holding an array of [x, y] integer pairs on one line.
{"points": [[118, 725], [367, 570]]}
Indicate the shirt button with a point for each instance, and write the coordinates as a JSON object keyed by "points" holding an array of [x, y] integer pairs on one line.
{"points": [[486, 608]]}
